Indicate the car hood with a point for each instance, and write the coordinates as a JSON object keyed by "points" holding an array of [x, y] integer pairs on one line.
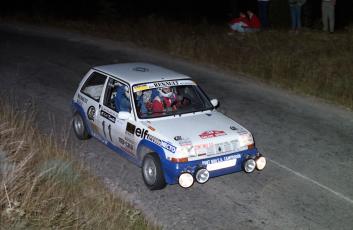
{"points": [[209, 133]]}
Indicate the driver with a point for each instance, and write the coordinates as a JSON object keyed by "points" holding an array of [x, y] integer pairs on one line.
{"points": [[165, 101], [169, 98]]}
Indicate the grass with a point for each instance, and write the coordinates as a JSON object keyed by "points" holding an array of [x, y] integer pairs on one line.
{"points": [[43, 187], [312, 62]]}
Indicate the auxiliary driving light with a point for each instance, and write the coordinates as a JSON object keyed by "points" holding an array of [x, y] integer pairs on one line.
{"points": [[260, 163], [202, 175], [249, 165], [186, 180]]}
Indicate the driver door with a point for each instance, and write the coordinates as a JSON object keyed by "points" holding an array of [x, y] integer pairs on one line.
{"points": [[113, 128]]}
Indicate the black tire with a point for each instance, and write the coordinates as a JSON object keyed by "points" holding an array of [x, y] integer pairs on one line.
{"points": [[79, 127], [152, 172]]}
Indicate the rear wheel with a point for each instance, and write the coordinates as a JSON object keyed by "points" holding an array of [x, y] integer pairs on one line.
{"points": [[79, 127], [152, 172]]}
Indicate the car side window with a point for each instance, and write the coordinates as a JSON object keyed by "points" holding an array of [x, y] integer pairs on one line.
{"points": [[117, 96], [93, 86]]}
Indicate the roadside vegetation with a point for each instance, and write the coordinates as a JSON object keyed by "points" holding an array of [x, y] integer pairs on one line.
{"points": [[311, 63], [43, 187]]}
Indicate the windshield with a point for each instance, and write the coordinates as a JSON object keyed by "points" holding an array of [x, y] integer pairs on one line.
{"points": [[169, 98]]}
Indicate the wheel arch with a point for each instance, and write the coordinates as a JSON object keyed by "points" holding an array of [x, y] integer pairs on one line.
{"points": [[146, 147], [76, 108]]}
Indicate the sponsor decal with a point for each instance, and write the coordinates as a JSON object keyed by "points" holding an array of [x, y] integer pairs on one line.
{"points": [[147, 124], [177, 138], [221, 159], [204, 149], [168, 146], [82, 98], [143, 134], [103, 125], [110, 132], [140, 88], [186, 82], [130, 128], [91, 112], [126, 145], [79, 102], [242, 132], [212, 134], [108, 116], [224, 147], [162, 84], [183, 141], [165, 84]]}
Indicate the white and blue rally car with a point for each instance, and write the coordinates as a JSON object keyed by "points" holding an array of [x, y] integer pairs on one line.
{"points": [[163, 122]]}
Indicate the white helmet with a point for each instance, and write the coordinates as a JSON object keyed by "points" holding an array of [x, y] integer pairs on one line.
{"points": [[165, 92], [147, 96]]}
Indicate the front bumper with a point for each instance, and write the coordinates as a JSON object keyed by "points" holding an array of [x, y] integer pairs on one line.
{"points": [[173, 170]]}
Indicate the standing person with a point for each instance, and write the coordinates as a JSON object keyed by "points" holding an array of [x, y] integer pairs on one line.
{"points": [[328, 15], [263, 13], [254, 22], [295, 7]]}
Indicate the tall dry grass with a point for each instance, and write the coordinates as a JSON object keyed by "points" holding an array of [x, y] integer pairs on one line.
{"points": [[42, 187], [312, 62]]}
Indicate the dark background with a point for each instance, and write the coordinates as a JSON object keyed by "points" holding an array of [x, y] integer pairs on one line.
{"points": [[214, 12]]}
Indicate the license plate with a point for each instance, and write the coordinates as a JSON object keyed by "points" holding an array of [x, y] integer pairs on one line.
{"points": [[221, 165]]}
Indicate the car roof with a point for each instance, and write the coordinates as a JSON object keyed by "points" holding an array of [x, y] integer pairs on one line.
{"points": [[138, 72]]}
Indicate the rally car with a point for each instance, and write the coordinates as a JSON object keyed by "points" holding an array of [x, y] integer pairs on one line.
{"points": [[162, 121]]}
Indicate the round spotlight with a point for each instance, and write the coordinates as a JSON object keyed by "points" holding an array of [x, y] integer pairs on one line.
{"points": [[186, 180], [249, 165], [202, 175], [260, 163]]}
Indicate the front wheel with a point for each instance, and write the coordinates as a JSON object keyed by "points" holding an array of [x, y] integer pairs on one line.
{"points": [[80, 127], [152, 172]]}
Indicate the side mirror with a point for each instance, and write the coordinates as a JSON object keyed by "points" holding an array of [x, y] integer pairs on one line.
{"points": [[215, 103], [123, 115]]}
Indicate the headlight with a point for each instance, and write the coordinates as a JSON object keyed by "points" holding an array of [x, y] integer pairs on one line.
{"points": [[186, 180], [260, 163], [202, 175], [249, 165], [245, 140]]}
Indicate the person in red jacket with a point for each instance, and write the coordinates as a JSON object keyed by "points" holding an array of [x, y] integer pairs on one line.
{"points": [[157, 106], [239, 24], [164, 102], [254, 22]]}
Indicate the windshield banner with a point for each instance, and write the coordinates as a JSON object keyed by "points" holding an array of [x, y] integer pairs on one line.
{"points": [[161, 84]]}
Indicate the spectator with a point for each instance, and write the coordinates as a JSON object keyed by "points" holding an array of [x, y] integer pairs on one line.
{"points": [[263, 13], [295, 11], [254, 22], [239, 24], [328, 15]]}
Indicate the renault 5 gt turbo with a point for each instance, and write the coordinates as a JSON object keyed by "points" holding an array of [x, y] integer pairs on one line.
{"points": [[163, 122]]}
